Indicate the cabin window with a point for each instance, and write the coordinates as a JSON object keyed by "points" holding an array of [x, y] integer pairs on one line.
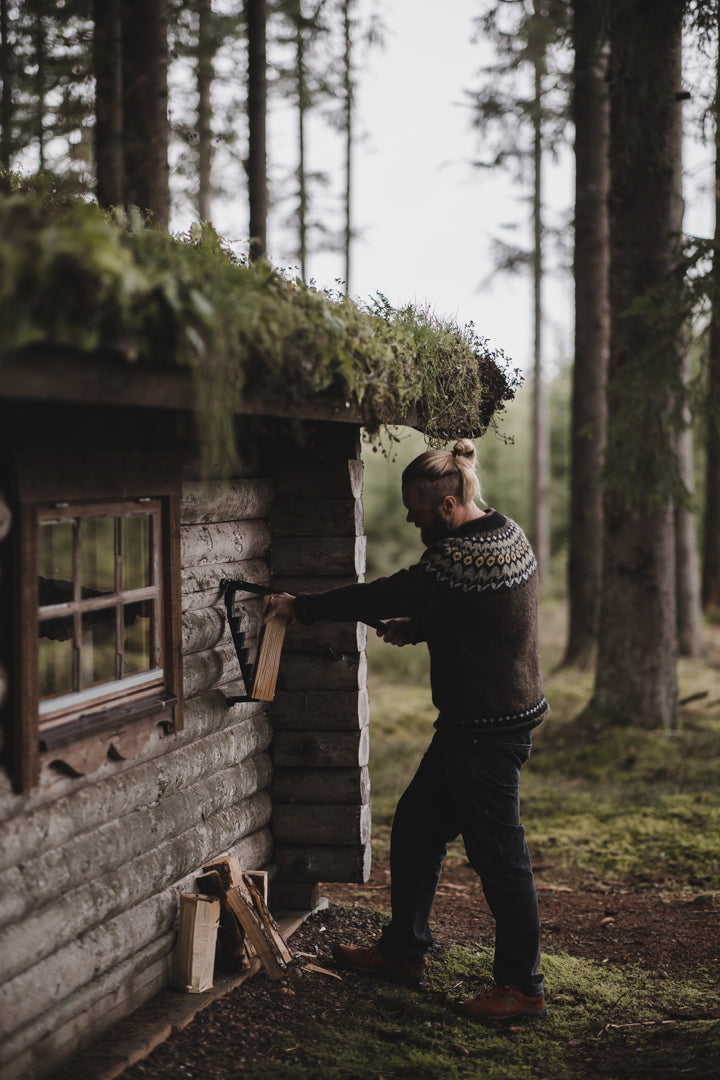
{"points": [[100, 632], [100, 612]]}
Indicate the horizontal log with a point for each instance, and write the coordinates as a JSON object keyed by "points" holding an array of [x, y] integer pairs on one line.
{"points": [[24, 944], [59, 976], [307, 555], [321, 824], [337, 479], [323, 863], [71, 1022], [320, 749], [38, 881], [320, 710], [215, 735], [226, 541], [224, 500], [206, 579], [204, 628], [322, 637], [109, 965], [214, 667], [349, 787], [310, 517], [201, 588], [346, 671]]}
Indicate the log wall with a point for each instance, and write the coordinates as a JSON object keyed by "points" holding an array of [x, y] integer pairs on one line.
{"points": [[321, 811], [91, 867]]}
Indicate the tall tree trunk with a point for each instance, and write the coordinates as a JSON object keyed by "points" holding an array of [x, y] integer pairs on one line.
{"points": [[145, 107], [591, 116], [301, 76], [6, 99], [687, 562], [711, 536], [109, 164], [687, 565], [636, 678], [257, 116], [204, 77], [348, 91], [540, 529], [40, 88]]}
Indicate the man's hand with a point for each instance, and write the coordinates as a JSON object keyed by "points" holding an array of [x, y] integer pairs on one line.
{"points": [[282, 604], [398, 632]]}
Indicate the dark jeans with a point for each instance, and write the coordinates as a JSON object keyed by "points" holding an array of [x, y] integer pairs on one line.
{"points": [[467, 784]]}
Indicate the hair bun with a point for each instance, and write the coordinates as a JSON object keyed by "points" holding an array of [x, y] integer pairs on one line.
{"points": [[464, 448]]}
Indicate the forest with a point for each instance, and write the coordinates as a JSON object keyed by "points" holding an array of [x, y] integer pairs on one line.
{"points": [[157, 111]]}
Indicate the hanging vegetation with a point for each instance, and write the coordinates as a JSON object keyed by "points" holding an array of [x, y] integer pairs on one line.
{"points": [[74, 277]]}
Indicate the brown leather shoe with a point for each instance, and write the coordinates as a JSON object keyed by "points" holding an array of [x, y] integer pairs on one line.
{"points": [[502, 1005], [368, 960]]}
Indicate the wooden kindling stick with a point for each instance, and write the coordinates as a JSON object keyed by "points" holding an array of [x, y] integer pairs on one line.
{"points": [[268, 661]]}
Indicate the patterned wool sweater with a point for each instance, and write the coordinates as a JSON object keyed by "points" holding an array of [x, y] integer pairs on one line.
{"points": [[473, 597]]}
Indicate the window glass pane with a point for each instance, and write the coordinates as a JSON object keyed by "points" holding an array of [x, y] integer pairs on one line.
{"points": [[137, 648], [98, 556], [97, 655], [55, 561], [137, 568], [55, 657]]}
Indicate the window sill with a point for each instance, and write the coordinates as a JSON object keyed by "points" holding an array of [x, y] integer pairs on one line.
{"points": [[103, 719]]}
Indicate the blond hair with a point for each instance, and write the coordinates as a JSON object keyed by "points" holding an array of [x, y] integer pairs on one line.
{"points": [[438, 473]]}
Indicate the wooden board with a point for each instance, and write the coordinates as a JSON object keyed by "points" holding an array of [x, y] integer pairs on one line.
{"points": [[193, 959], [268, 661]]}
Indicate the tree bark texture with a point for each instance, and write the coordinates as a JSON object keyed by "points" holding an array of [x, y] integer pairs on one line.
{"points": [[109, 164], [145, 107], [204, 80], [540, 530], [256, 14], [636, 679], [687, 562], [349, 109], [6, 93], [591, 116], [711, 533], [302, 106]]}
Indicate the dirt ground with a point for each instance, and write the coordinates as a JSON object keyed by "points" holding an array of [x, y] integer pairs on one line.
{"points": [[594, 919], [235, 1037]]}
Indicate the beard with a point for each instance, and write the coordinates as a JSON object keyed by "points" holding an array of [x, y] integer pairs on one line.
{"points": [[436, 530]]}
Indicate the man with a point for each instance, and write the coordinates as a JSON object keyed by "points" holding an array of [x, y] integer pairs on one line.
{"points": [[473, 599]]}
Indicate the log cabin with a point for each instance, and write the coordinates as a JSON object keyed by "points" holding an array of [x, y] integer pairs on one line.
{"points": [[131, 755]]}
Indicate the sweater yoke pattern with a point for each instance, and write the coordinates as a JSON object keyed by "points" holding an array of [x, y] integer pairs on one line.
{"points": [[502, 559]]}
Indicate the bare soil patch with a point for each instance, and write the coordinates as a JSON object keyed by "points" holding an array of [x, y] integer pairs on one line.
{"points": [[651, 926]]}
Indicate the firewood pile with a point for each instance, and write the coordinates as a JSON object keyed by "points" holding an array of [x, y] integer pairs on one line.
{"points": [[226, 924]]}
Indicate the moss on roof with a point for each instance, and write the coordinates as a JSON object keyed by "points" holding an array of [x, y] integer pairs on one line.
{"points": [[74, 276]]}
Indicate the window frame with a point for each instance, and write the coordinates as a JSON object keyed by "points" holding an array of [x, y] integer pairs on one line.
{"points": [[88, 477]]}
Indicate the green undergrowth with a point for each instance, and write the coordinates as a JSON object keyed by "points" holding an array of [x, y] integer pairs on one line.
{"points": [[623, 803], [603, 1021]]}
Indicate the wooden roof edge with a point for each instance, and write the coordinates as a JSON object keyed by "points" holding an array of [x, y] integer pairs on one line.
{"points": [[68, 376]]}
